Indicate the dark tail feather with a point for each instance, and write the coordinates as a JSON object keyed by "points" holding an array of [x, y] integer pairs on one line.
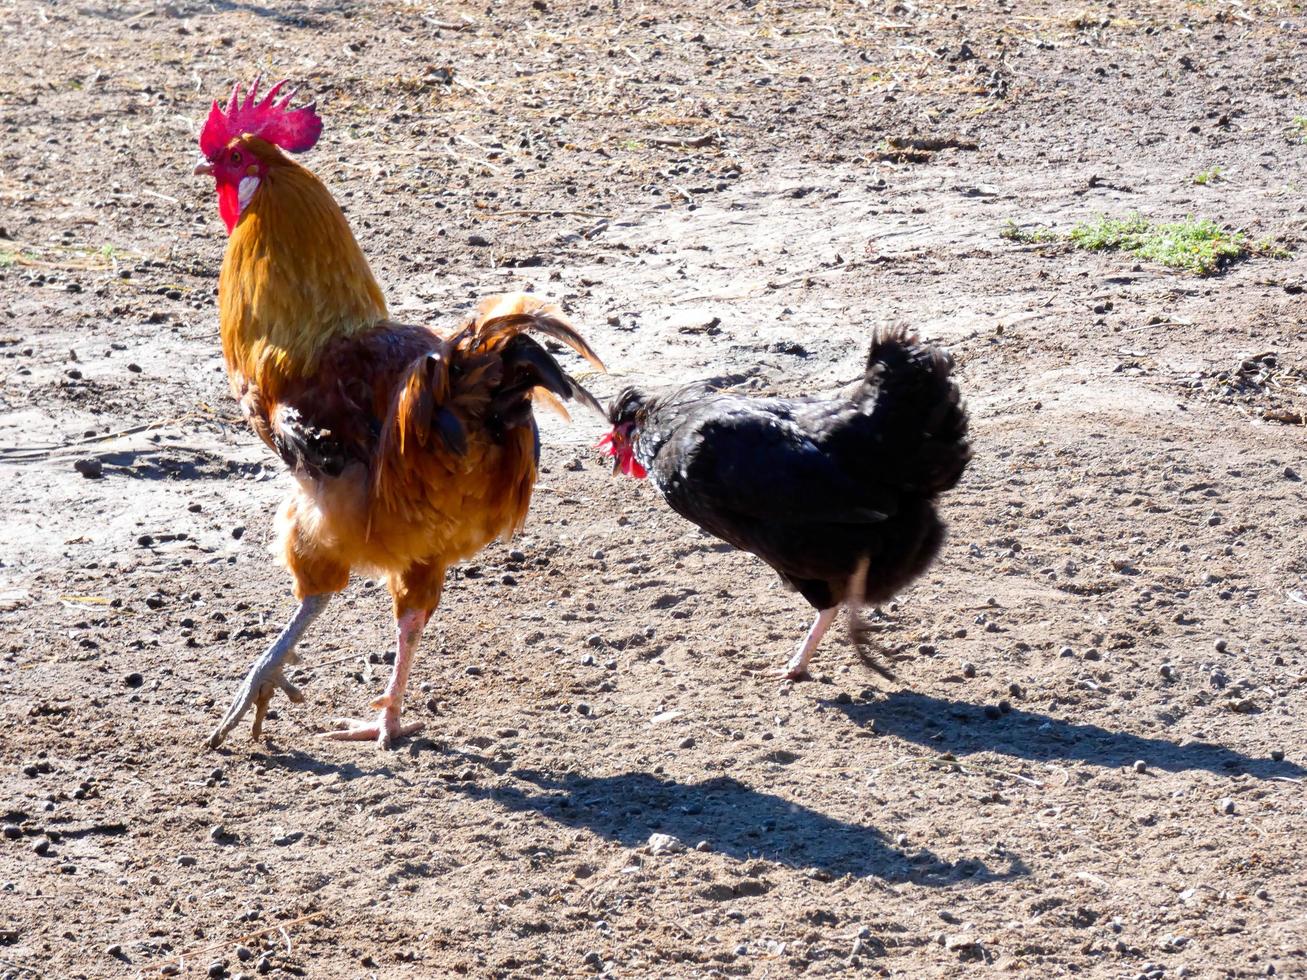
{"points": [[485, 375], [540, 322], [527, 365], [918, 409]]}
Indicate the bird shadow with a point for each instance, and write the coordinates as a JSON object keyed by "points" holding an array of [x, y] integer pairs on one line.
{"points": [[733, 819], [963, 727], [295, 760]]}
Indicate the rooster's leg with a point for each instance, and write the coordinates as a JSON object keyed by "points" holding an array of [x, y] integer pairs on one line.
{"points": [[387, 727], [797, 668], [265, 677]]}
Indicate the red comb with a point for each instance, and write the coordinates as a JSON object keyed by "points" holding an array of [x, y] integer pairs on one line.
{"points": [[295, 130]]}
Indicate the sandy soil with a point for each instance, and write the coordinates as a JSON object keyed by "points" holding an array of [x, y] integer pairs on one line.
{"points": [[1094, 762]]}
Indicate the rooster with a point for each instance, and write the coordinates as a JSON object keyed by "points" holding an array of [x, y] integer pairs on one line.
{"points": [[411, 449], [837, 494]]}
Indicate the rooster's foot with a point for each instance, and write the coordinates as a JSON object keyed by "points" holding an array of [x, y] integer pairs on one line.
{"points": [[268, 684], [265, 677], [385, 731]]}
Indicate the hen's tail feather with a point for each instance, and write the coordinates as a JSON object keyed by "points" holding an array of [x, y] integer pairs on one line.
{"points": [[918, 408]]}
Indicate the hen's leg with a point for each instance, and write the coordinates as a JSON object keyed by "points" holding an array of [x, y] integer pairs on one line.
{"points": [[797, 668], [858, 627], [387, 726], [265, 677]]}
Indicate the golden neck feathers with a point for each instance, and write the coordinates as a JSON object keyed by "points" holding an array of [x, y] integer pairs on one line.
{"points": [[293, 278]]}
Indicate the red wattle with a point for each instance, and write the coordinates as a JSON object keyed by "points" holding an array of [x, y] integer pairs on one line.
{"points": [[229, 205]]}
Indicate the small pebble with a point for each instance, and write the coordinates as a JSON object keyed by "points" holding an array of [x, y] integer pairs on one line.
{"points": [[992, 712], [598, 554], [134, 679], [1221, 646], [1277, 755], [113, 950], [472, 670], [703, 847], [1014, 689], [12, 831], [1168, 672], [185, 860], [582, 708], [1226, 806], [1066, 652], [1263, 894], [90, 468], [41, 847], [968, 669], [217, 969], [238, 531], [218, 832], [687, 742], [1141, 765]]}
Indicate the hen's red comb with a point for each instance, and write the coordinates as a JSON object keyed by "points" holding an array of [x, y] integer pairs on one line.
{"points": [[295, 130]]}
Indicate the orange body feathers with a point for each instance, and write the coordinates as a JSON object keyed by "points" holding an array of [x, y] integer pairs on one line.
{"points": [[412, 450]]}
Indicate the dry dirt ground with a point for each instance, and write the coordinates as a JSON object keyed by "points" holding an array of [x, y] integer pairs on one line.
{"points": [[1112, 788]]}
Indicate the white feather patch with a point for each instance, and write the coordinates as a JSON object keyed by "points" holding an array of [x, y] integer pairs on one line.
{"points": [[246, 189]]}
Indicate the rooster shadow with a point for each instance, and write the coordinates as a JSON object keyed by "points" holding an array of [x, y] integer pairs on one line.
{"points": [[734, 820], [961, 727]]}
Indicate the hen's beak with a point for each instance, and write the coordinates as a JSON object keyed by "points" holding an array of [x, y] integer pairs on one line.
{"points": [[204, 168]]}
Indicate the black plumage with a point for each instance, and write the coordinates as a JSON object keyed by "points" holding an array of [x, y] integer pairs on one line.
{"points": [[814, 485]]}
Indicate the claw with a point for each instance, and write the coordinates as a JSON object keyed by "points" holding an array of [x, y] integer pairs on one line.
{"points": [[266, 676], [384, 731]]}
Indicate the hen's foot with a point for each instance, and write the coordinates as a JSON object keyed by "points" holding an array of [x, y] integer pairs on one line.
{"points": [[797, 673], [867, 652]]}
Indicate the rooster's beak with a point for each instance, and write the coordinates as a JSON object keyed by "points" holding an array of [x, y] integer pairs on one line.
{"points": [[204, 169]]}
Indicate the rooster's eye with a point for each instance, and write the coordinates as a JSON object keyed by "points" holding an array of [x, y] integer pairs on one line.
{"points": [[236, 157]]}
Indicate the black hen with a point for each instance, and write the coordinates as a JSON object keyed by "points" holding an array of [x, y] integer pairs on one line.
{"points": [[835, 493]]}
